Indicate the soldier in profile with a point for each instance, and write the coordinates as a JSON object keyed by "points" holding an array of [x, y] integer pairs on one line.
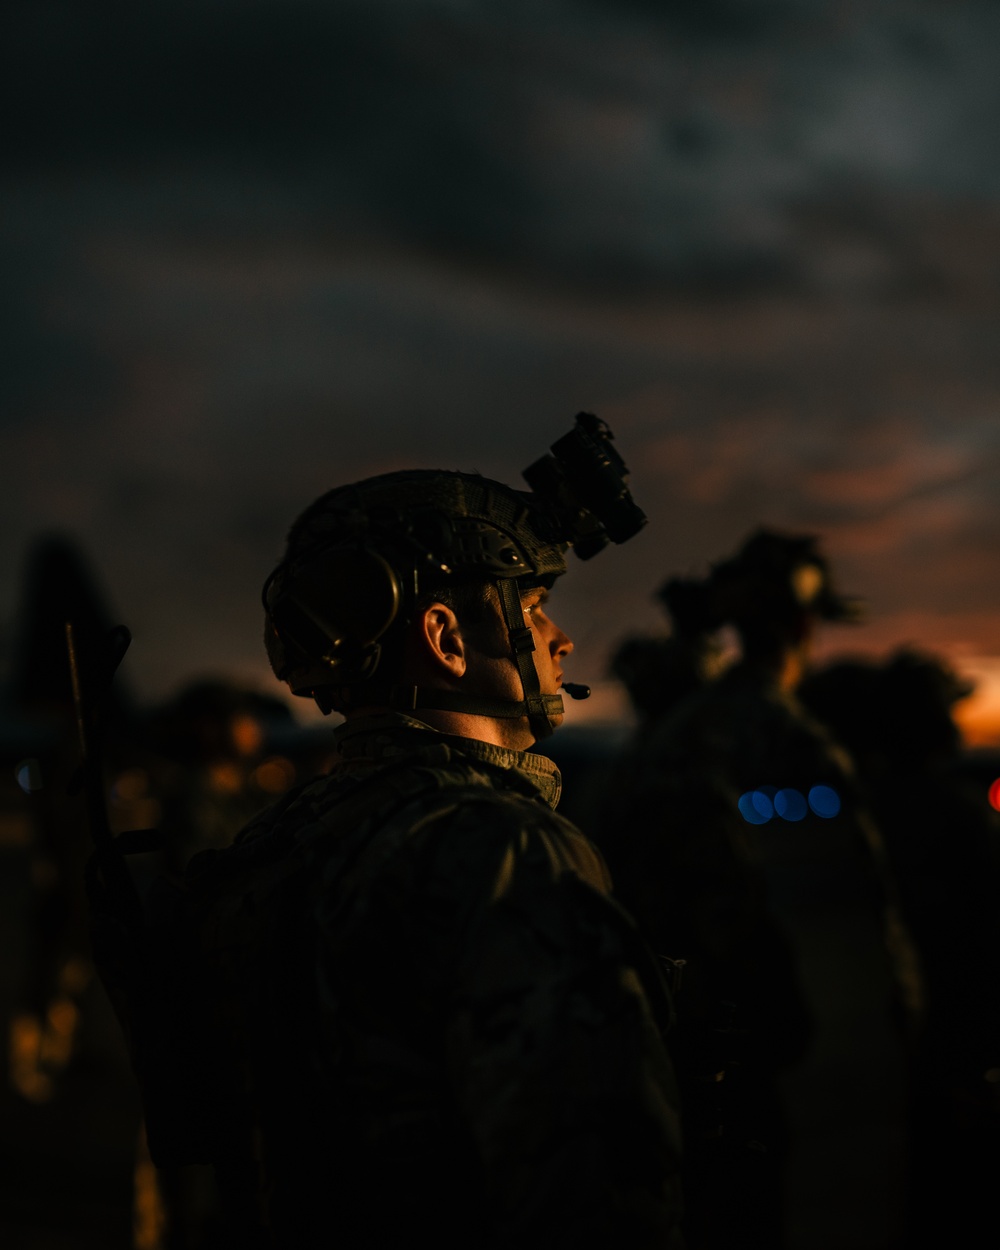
{"points": [[427, 1017]]}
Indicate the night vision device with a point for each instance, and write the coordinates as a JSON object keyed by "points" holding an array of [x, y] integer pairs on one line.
{"points": [[584, 482]]}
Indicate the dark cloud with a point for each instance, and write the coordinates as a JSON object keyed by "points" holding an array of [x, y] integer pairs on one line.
{"points": [[608, 144], [252, 250], [715, 21]]}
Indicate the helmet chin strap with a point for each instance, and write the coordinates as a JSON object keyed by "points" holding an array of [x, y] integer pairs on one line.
{"points": [[540, 709], [413, 698]]}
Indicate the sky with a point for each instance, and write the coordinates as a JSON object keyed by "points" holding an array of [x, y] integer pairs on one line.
{"points": [[252, 250]]}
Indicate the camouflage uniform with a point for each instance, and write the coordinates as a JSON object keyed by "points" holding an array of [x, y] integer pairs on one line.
{"points": [[445, 1024], [403, 1004]]}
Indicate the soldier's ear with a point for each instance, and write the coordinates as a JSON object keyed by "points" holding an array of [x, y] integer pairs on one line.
{"points": [[439, 637]]}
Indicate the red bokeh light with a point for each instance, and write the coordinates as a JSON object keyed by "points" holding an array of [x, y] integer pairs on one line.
{"points": [[995, 795]]}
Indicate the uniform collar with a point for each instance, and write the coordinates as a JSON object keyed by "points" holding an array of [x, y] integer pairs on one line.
{"points": [[385, 737]]}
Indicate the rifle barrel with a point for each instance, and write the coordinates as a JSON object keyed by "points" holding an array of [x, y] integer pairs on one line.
{"points": [[109, 854]]}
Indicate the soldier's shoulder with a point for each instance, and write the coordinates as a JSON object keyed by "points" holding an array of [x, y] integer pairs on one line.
{"points": [[475, 823], [355, 792], [414, 797]]}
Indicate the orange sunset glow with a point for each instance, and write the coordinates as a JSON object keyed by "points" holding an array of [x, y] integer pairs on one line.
{"points": [[978, 716]]}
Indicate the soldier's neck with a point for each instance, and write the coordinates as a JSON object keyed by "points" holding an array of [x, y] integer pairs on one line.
{"points": [[511, 734]]}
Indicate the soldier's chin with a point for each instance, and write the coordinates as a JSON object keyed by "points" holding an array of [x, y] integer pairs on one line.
{"points": [[555, 720]]}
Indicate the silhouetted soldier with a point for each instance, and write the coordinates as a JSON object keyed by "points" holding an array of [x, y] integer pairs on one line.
{"points": [[58, 586], [943, 843], [714, 844], [428, 1020], [658, 671]]}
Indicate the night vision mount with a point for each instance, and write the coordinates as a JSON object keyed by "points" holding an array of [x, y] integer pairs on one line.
{"points": [[583, 484]]}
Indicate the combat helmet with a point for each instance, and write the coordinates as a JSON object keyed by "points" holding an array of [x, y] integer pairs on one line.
{"points": [[359, 559], [776, 577]]}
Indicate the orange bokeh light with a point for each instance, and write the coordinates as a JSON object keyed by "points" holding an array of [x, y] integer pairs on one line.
{"points": [[274, 775], [995, 795]]}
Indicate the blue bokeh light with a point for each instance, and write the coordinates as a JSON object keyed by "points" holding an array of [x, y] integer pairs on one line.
{"points": [[790, 805], [762, 802], [825, 801], [29, 775], [755, 807]]}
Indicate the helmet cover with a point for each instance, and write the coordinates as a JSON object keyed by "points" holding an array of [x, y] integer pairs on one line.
{"points": [[357, 558]]}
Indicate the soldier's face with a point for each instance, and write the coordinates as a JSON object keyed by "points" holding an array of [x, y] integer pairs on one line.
{"points": [[551, 644], [492, 669]]}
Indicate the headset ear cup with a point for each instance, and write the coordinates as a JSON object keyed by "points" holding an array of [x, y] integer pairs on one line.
{"points": [[338, 610]]}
